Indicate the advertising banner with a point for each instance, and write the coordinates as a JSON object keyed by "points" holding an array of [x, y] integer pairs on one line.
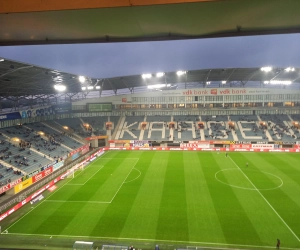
{"points": [[24, 184], [58, 165], [37, 112], [75, 156], [42, 174], [120, 141], [10, 116], [82, 148], [193, 144], [142, 144], [96, 137], [262, 146], [240, 146], [10, 185]]}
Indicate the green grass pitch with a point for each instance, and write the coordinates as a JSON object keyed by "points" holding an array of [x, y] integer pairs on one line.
{"points": [[177, 198]]}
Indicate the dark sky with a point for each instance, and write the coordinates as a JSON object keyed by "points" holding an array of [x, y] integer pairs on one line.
{"points": [[119, 59]]}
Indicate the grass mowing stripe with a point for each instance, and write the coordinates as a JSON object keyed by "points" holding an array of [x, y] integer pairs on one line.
{"points": [[265, 200], [228, 207], [112, 221], [40, 203], [123, 181], [134, 213], [200, 206], [173, 202], [143, 217]]}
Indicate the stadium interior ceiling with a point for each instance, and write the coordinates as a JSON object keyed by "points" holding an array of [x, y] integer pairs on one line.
{"points": [[62, 22], [94, 21], [20, 80]]}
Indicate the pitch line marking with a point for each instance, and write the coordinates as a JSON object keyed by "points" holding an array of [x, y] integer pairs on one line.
{"points": [[136, 177], [124, 180], [252, 189], [119, 158], [154, 240], [44, 200], [99, 202], [265, 200]]}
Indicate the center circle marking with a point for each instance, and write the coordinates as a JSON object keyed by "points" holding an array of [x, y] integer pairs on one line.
{"points": [[254, 189]]}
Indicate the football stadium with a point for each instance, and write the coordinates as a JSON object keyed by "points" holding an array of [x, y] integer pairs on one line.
{"points": [[188, 159]]}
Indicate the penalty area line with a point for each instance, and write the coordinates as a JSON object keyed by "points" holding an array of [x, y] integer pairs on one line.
{"points": [[55, 191], [157, 240]]}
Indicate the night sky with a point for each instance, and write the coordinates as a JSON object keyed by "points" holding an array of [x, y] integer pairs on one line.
{"points": [[120, 59]]}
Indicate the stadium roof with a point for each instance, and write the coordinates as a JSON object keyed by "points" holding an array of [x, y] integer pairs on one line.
{"points": [[93, 21], [21, 79]]}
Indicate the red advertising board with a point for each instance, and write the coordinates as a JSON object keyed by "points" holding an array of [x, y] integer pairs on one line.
{"points": [[78, 149], [10, 185], [240, 146], [42, 174]]}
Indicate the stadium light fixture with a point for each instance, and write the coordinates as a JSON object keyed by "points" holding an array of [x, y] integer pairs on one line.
{"points": [[266, 69], [180, 72], [158, 86], [208, 83], [1, 60], [98, 87], [90, 87], [278, 82], [223, 82], [289, 69], [60, 87], [160, 74], [145, 76], [81, 79], [83, 88]]}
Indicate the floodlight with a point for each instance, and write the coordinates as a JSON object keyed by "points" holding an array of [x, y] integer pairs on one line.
{"points": [[283, 82], [81, 79], [98, 87], [266, 69], [160, 74], [288, 69], [223, 82], [145, 76], [83, 88], [90, 87], [59, 87], [207, 83], [158, 86], [1, 60], [180, 72]]}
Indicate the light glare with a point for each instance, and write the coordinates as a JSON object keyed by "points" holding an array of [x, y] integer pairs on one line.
{"points": [[81, 79], [160, 74], [290, 69], [180, 72], [59, 87], [266, 69], [145, 76], [278, 82], [158, 86]]}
